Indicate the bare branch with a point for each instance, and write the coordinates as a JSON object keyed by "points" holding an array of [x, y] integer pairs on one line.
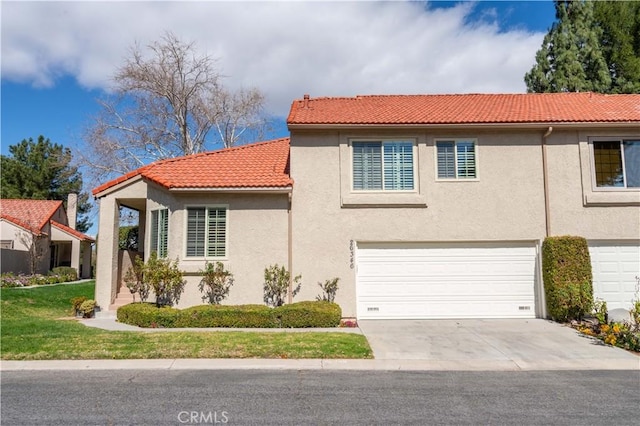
{"points": [[168, 99]]}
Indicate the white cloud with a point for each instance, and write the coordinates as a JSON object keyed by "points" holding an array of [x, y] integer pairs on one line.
{"points": [[284, 48]]}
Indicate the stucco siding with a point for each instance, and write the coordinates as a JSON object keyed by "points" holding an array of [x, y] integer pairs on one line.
{"points": [[570, 178], [505, 202], [257, 229]]}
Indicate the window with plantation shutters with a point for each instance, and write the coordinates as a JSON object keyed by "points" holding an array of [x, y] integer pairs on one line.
{"points": [[160, 231], [456, 159], [383, 166], [206, 232]]}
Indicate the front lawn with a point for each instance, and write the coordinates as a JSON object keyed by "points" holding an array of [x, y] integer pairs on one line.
{"points": [[37, 324]]}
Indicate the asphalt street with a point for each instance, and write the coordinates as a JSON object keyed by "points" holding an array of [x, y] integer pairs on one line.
{"points": [[290, 397]]}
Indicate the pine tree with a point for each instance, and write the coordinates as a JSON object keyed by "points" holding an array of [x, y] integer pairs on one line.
{"points": [[620, 42], [570, 58], [43, 171]]}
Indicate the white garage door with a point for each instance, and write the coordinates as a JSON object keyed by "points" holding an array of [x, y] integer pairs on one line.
{"points": [[425, 281], [615, 266]]}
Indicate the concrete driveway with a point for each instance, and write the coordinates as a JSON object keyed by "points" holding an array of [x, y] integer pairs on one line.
{"points": [[492, 344]]}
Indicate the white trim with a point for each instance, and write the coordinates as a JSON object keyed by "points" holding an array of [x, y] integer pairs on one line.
{"points": [[186, 234]]}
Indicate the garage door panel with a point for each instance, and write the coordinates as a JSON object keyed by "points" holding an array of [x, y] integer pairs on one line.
{"points": [[446, 281], [615, 264]]}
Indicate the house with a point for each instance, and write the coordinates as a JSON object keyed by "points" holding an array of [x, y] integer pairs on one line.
{"points": [[425, 206], [41, 234]]}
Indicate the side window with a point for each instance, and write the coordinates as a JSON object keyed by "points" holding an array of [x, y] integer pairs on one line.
{"points": [[456, 159], [160, 231], [617, 163]]}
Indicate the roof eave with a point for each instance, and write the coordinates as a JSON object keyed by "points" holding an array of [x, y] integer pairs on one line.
{"points": [[520, 125], [244, 190], [116, 186]]}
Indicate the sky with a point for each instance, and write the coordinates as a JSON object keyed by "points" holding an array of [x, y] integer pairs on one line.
{"points": [[57, 58]]}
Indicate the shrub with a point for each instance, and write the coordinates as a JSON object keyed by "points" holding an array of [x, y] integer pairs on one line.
{"points": [[76, 302], [309, 314], [600, 311], [239, 316], [134, 280], [147, 315], [165, 279], [65, 273], [329, 289], [566, 271], [87, 308], [276, 285], [216, 283]]}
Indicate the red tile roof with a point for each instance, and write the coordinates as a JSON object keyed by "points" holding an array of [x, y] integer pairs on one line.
{"points": [[29, 214], [467, 109], [33, 215], [258, 165], [71, 231]]}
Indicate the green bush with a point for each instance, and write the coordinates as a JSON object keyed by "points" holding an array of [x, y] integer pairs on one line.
{"points": [[240, 316], [76, 302], [216, 283], [309, 314], [147, 315], [66, 273], [276, 285], [568, 283], [296, 315]]}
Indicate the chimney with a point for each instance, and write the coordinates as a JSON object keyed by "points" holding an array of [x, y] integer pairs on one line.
{"points": [[72, 210], [306, 101]]}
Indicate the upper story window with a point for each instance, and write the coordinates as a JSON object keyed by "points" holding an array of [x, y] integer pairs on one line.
{"points": [[456, 159], [206, 231], [159, 231], [383, 165], [617, 163]]}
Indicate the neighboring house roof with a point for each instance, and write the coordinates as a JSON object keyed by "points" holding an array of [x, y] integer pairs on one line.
{"points": [[32, 215], [467, 109], [79, 235], [258, 165]]}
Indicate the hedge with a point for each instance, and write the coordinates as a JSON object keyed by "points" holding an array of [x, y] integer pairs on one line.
{"points": [[296, 315], [250, 316], [568, 281], [309, 314], [147, 315]]}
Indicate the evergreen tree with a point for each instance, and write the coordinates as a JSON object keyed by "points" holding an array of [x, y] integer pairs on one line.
{"points": [[570, 58], [43, 171], [620, 42]]}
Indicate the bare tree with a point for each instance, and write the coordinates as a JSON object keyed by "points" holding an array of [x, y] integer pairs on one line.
{"points": [[167, 100], [35, 244]]}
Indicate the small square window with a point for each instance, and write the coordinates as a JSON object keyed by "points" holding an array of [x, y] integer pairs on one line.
{"points": [[617, 163], [456, 159], [206, 232]]}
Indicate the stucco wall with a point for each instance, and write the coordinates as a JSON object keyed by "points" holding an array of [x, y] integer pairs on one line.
{"points": [[505, 202], [570, 182], [257, 237]]}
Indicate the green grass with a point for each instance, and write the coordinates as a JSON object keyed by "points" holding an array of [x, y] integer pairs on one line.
{"points": [[37, 324]]}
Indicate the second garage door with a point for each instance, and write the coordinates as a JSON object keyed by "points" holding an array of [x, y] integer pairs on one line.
{"points": [[431, 281]]}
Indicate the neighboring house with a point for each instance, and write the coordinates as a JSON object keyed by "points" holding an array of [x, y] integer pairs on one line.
{"points": [[40, 234], [425, 206]]}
